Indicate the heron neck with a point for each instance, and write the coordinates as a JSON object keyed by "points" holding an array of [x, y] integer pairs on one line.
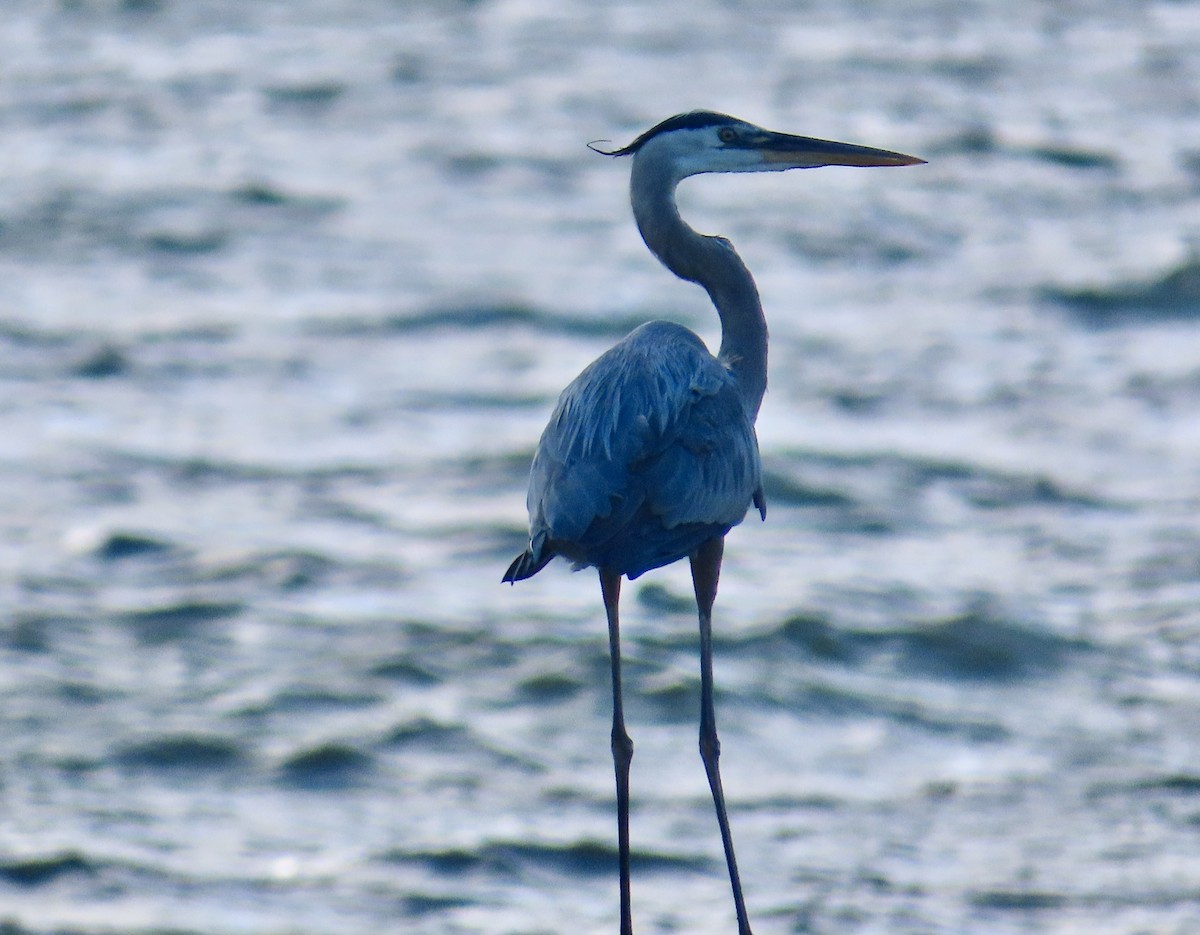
{"points": [[712, 263]]}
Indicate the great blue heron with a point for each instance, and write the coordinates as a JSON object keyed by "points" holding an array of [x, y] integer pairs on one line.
{"points": [[651, 455]]}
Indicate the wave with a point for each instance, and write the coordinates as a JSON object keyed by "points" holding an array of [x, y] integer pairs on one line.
{"points": [[1173, 296], [154, 626], [327, 766], [474, 317], [982, 140], [979, 643], [858, 492], [39, 870], [183, 753], [585, 857], [68, 222]]}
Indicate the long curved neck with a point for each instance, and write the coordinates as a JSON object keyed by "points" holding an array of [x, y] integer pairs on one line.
{"points": [[712, 263]]}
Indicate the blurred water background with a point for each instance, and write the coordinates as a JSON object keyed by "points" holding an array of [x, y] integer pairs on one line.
{"points": [[287, 290]]}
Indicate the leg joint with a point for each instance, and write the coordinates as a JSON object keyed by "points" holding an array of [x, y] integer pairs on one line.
{"points": [[622, 745]]}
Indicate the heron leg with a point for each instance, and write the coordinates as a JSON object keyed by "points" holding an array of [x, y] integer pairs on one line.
{"points": [[706, 569], [622, 746]]}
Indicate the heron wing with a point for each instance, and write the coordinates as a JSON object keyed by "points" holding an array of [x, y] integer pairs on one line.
{"points": [[655, 430], [708, 471]]}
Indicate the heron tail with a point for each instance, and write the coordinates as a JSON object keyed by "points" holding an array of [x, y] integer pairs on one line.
{"points": [[528, 563]]}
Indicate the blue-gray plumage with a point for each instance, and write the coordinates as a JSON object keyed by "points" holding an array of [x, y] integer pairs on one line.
{"points": [[650, 455]]}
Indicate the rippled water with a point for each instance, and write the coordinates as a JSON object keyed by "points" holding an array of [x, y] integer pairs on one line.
{"points": [[287, 291]]}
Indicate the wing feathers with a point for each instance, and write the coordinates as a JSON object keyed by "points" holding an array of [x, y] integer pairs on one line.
{"points": [[650, 438]]}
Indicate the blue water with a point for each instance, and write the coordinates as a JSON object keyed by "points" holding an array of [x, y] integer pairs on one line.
{"points": [[287, 291]]}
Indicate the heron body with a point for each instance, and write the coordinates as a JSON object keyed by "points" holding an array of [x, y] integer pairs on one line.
{"points": [[650, 455]]}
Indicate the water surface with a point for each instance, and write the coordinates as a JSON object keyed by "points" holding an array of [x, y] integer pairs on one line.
{"points": [[286, 295]]}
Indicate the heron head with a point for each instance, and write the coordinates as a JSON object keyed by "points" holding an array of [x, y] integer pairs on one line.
{"points": [[703, 141]]}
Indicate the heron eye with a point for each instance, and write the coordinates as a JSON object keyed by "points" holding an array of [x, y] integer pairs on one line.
{"points": [[726, 135]]}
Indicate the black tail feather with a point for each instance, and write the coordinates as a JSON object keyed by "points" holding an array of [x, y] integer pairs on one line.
{"points": [[526, 565]]}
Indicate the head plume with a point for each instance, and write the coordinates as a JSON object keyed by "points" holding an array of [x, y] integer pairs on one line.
{"points": [[692, 120]]}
